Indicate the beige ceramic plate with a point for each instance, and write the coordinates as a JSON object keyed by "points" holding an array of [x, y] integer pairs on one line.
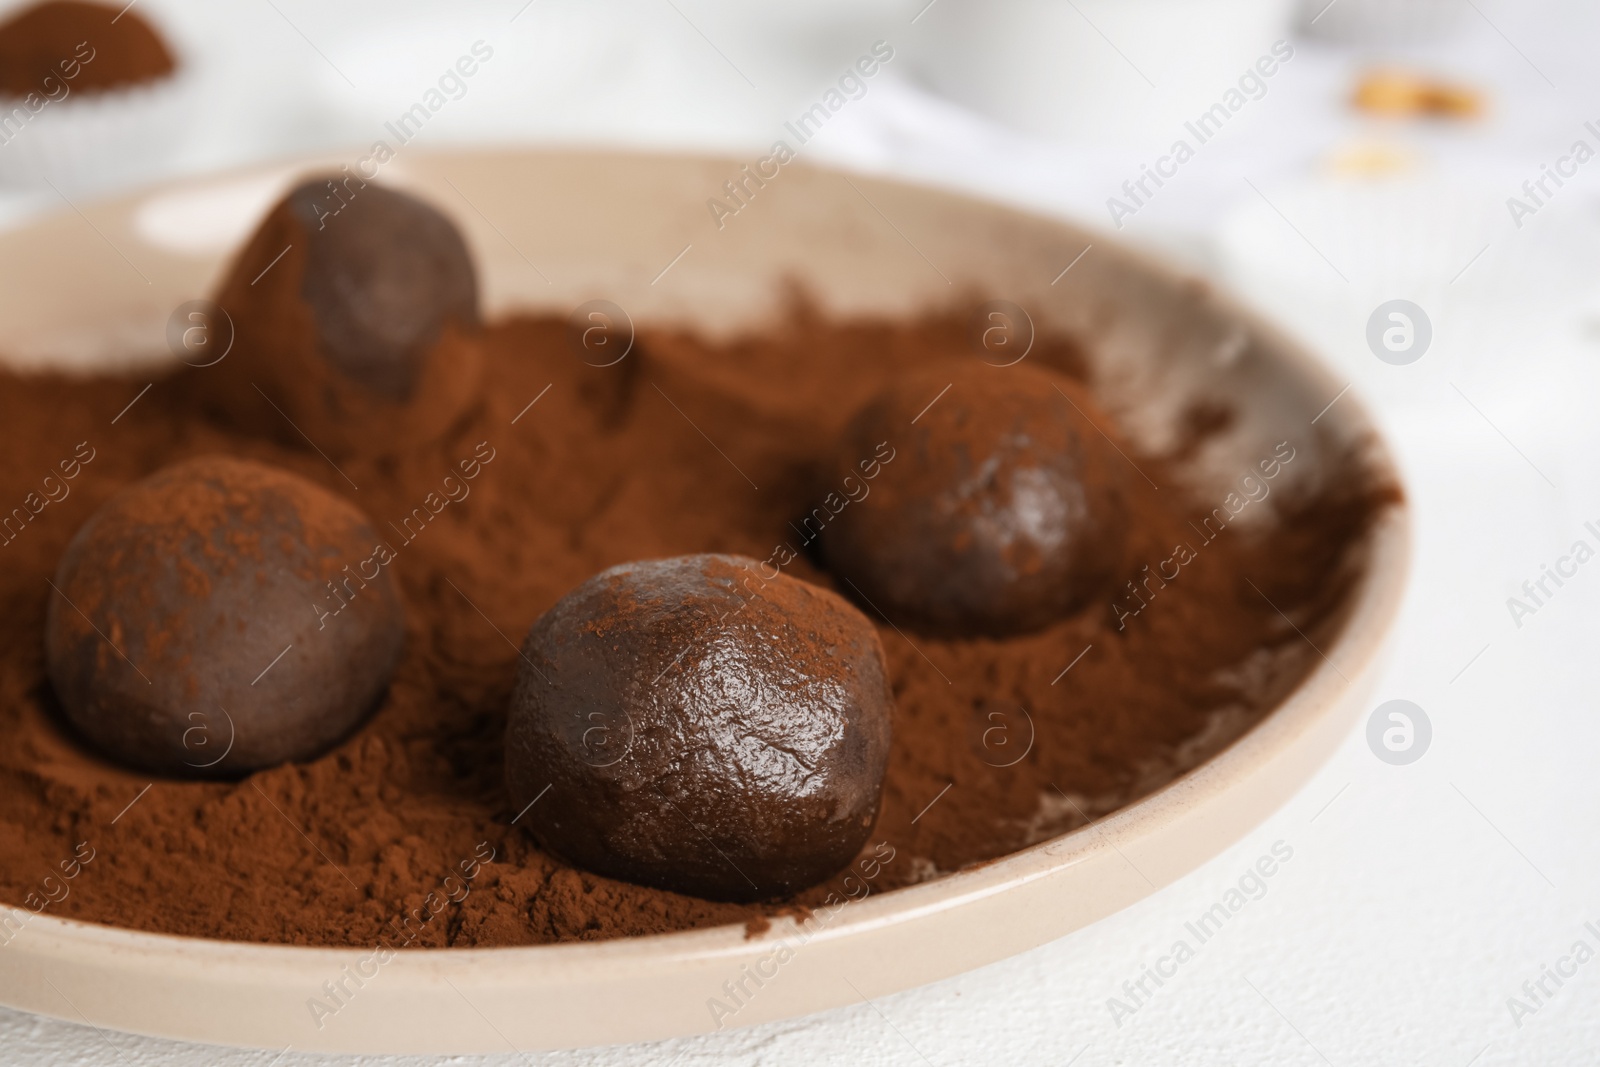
{"points": [[551, 230]]}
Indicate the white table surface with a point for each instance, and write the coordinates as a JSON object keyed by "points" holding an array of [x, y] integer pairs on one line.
{"points": [[1419, 898]]}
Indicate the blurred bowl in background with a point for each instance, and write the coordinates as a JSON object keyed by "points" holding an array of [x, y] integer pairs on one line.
{"points": [[1111, 71], [1380, 21]]}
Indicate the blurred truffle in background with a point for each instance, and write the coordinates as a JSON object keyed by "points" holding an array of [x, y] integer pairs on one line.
{"points": [[355, 316], [91, 96]]}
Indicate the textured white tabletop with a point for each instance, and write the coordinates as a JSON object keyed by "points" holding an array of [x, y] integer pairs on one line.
{"points": [[1429, 913]]}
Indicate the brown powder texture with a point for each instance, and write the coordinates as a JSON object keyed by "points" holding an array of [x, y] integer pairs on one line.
{"points": [[657, 456], [91, 46]]}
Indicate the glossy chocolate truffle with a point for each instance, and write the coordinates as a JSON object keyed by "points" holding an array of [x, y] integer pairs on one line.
{"points": [[354, 310], [701, 727], [1001, 510], [221, 616]]}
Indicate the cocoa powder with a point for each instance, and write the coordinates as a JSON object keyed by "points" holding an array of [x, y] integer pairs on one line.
{"points": [[996, 744]]}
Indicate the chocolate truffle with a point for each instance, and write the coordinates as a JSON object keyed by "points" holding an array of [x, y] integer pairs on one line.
{"points": [[355, 316], [996, 510], [221, 616], [702, 727], [86, 47]]}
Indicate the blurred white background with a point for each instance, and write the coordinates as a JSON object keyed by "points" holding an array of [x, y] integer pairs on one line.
{"points": [[1421, 897]]}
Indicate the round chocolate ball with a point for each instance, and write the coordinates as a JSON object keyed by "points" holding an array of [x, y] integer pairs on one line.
{"points": [[996, 510], [384, 273], [697, 725], [221, 616], [354, 311]]}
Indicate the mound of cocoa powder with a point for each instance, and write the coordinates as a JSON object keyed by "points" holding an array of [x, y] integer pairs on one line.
{"points": [[93, 46], [403, 834]]}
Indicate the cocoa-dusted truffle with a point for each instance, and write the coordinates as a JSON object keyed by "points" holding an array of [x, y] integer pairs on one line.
{"points": [[221, 616], [355, 315], [1001, 511], [94, 47], [701, 726]]}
